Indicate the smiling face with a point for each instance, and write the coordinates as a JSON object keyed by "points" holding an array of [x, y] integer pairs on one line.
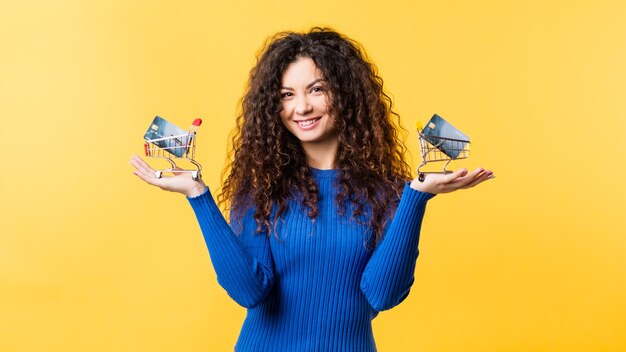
{"points": [[304, 100]]}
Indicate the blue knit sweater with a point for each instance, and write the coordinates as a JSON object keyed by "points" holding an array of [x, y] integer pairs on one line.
{"points": [[317, 287]]}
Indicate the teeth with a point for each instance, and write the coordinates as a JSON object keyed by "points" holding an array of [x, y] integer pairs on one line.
{"points": [[307, 122]]}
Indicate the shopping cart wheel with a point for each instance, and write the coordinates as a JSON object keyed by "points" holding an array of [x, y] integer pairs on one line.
{"points": [[195, 175], [158, 174]]}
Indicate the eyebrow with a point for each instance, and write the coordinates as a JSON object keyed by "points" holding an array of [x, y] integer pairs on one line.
{"points": [[308, 86]]}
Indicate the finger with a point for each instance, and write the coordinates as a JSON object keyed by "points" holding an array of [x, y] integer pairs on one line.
{"points": [[145, 172], [469, 178], [137, 161], [147, 177], [455, 175], [484, 177], [141, 165]]}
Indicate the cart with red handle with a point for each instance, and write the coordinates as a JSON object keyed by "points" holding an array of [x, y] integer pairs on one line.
{"points": [[170, 147]]}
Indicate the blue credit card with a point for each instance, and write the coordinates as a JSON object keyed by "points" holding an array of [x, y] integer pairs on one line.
{"points": [[445, 137], [168, 136]]}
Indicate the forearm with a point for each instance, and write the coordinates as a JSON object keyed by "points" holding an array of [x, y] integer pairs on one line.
{"points": [[389, 274], [246, 279]]}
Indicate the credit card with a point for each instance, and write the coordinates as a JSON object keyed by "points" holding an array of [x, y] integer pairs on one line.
{"points": [[445, 137], [168, 136]]}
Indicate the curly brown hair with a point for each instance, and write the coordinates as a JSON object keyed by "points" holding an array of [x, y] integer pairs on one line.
{"points": [[268, 164]]}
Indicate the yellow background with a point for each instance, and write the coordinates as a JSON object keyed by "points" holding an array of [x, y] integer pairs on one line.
{"points": [[92, 259]]}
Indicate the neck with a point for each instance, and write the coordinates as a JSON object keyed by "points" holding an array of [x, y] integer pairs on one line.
{"points": [[321, 155]]}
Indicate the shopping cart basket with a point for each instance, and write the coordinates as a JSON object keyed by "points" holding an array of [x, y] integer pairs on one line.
{"points": [[182, 146], [436, 145]]}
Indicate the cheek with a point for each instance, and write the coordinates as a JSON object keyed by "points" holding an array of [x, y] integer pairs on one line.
{"points": [[332, 121], [323, 104], [284, 121], [284, 116], [285, 110]]}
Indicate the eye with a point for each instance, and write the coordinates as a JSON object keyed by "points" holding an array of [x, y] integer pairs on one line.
{"points": [[286, 95], [317, 89]]}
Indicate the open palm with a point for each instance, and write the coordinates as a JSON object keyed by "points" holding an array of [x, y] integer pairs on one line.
{"points": [[180, 182], [436, 183]]}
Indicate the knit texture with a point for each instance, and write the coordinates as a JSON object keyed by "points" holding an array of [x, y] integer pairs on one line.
{"points": [[317, 286]]}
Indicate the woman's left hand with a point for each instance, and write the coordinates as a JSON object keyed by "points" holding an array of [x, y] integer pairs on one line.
{"points": [[435, 183]]}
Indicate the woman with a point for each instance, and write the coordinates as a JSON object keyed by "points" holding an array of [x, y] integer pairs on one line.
{"points": [[325, 221]]}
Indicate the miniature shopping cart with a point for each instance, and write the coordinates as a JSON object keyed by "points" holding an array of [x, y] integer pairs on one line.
{"points": [[180, 146], [440, 141]]}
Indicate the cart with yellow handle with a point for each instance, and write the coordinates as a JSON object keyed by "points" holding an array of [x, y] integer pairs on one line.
{"points": [[437, 145]]}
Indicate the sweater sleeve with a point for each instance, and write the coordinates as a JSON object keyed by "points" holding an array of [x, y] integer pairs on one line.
{"points": [[243, 261], [389, 273]]}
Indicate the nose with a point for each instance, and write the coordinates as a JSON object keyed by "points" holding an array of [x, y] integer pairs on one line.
{"points": [[303, 105]]}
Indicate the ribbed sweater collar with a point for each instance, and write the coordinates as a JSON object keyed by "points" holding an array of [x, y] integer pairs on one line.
{"points": [[318, 173]]}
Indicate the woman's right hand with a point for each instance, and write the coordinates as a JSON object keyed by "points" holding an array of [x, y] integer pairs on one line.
{"points": [[180, 182]]}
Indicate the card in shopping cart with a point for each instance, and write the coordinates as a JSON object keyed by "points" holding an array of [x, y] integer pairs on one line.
{"points": [[168, 136], [445, 137]]}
